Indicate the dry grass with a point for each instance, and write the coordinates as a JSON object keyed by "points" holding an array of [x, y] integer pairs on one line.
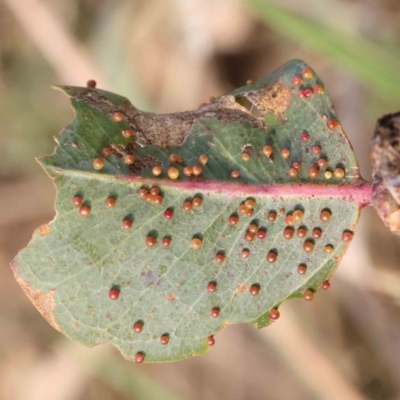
{"points": [[173, 55]]}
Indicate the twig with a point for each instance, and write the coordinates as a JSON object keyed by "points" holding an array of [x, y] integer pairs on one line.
{"points": [[310, 365], [68, 57]]}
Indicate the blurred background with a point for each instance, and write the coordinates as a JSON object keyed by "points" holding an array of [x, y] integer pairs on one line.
{"points": [[172, 55]]}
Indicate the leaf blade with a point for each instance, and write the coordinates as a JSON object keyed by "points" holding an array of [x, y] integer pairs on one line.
{"points": [[79, 260]]}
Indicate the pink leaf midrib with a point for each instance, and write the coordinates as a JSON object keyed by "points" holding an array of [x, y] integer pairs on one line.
{"points": [[359, 192]]}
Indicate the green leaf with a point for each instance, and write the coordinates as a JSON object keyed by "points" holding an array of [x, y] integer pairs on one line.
{"points": [[71, 264]]}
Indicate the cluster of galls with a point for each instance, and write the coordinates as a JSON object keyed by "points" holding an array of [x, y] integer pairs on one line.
{"points": [[129, 159], [173, 172], [246, 208], [196, 170], [188, 205], [314, 168], [306, 92], [152, 196], [332, 124], [291, 218]]}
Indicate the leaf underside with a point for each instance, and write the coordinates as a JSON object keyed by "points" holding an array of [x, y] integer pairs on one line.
{"points": [[71, 264]]}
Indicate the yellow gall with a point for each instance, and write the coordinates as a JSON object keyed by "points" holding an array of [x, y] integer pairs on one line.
{"points": [[293, 172], [298, 215], [235, 174], [118, 117], [156, 170], [325, 216], [253, 228], [267, 151], [174, 158], [328, 175], [313, 171], [196, 170], [245, 253], [203, 159], [242, 209], [308, 247], [245, 157], [196, 243], [319, 89], [173, 173], [188, 171], [84, 211], [98, 163], [127, 133], [289, 220], [285, 153], [250, 204], [338, 173], [308, 295], [307, 73], [129, 159]]}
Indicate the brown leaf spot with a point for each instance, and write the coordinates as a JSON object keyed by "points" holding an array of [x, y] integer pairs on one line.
{"points": [[171, 297], [273, 99], [44, 302], [241, 287], [44, 230]]}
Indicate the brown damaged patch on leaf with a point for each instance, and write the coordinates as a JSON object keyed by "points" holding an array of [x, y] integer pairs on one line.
{"points": [[164, 130], [241, 287], [273, 99], [44, 230], [45, 303], [141, 164], [171, 297]]}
